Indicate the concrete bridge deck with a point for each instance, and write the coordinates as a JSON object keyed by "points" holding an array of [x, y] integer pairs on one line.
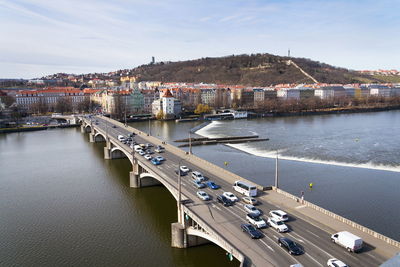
{"points": [[200, 221]]}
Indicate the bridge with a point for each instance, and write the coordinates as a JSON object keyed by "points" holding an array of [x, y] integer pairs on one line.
{"points": [[200, 222]]}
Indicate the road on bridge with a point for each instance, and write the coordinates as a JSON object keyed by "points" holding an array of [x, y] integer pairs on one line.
{"points": [[227, 220]]}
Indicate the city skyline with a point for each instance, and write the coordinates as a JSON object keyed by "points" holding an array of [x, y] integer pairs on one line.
{"points": [[44, 37]]}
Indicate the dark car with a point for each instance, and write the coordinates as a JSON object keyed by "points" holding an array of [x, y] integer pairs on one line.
{"points": [[114, 126], [182, 172], [251, 230], [222, 199], [291, 246]]}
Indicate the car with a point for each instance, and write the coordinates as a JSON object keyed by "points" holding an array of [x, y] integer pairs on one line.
{"points": [[251, 209], [142, 153], [121, 138], [277, 225], [160, 158], [149, 145], [253, 232], [155, 161], [131, 134], [336, 263], [250, 200], [230, 196], [224, 201], [203, 195], [296, 265], [279, 215], [212, 185], [197, 176], [292, 247], [257, 221], [114, 126], [180, 172], [159, 150], [148, 157], [184, 169], [148, 151], [198, 184]]}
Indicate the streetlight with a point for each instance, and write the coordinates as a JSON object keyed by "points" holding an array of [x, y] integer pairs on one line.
{"points": [[190, 144], [179, 189], [276, 171], [149, 127]]}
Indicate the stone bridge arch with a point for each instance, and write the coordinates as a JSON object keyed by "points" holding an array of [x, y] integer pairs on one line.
{"points": [[99, 137], [117, 153], [148, 179]]}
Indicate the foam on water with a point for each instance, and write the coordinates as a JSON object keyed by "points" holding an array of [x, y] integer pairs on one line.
{"points": [[207, 132]]}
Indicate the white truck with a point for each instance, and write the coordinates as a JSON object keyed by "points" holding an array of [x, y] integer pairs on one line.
{"points": [[347, 240]]}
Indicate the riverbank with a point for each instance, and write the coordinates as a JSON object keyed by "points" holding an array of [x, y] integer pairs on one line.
{"points": [[35, 128], [338, 110]]}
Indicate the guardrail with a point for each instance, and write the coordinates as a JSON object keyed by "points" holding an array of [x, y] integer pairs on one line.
{"points": [[341, 219], [231, 177]]}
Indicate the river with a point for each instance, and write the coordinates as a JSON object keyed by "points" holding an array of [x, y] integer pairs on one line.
{"points": [[62, 204], [353, 160]]}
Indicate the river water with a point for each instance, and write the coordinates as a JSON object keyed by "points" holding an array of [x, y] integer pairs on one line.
{"points": [[62, 204], [353, 160]]}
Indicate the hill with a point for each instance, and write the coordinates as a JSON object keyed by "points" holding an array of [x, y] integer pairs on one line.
{"points": [[252, 70]]}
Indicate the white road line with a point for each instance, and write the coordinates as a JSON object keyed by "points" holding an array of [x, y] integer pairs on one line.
{"points": [[215, 206], [262, 241], [313, 234], [371, 256], [314, 259], [311, 244], [275, 237]]}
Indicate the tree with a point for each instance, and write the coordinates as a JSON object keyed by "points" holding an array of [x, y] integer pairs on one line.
{"points": [[160, 115], [202, 109], [8, 100], [40, 106], [64, 105]]}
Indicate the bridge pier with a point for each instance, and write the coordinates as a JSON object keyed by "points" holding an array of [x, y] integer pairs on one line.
{"points": [[83, 128], [178, 235], [91, 138], [134, 175]]}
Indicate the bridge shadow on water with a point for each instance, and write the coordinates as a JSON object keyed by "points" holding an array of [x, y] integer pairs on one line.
{"points": [[156, 209]]}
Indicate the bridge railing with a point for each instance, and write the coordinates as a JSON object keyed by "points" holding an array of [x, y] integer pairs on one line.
{"points": [[211, 231], [231, 177], [342, 219]]}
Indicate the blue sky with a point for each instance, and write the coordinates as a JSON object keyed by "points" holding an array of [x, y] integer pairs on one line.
{"points": [[40, 37]]}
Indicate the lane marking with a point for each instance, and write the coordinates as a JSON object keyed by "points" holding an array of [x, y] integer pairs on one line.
{"points": [[262, 241], [292, 233], [313, 234], [313, 259]]}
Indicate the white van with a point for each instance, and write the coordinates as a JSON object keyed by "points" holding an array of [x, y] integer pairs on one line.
{"points": [[137, 148], [197, 176], [347, 240]]}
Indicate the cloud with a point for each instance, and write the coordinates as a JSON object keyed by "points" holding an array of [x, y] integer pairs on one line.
{"points": [[99, 34]]}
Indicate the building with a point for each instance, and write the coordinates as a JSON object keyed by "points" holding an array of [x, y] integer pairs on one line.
{"points": [[136, 102], [30, 99], [167, 105], [330, 92], [288, 93]]}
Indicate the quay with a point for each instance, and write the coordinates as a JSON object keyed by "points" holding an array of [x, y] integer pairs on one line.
{"points": [[200, 222]]}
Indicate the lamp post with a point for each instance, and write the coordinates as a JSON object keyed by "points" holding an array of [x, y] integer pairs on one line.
{"points": [[126, 97], [276, 171], [149, 127], [190, 144], [180, 190]]}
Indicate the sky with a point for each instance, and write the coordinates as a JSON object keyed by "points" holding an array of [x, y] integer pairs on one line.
{"points": [[41, 37]]}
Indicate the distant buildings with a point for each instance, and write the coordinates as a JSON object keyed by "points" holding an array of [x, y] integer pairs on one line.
{"points": [[167, 106]]}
